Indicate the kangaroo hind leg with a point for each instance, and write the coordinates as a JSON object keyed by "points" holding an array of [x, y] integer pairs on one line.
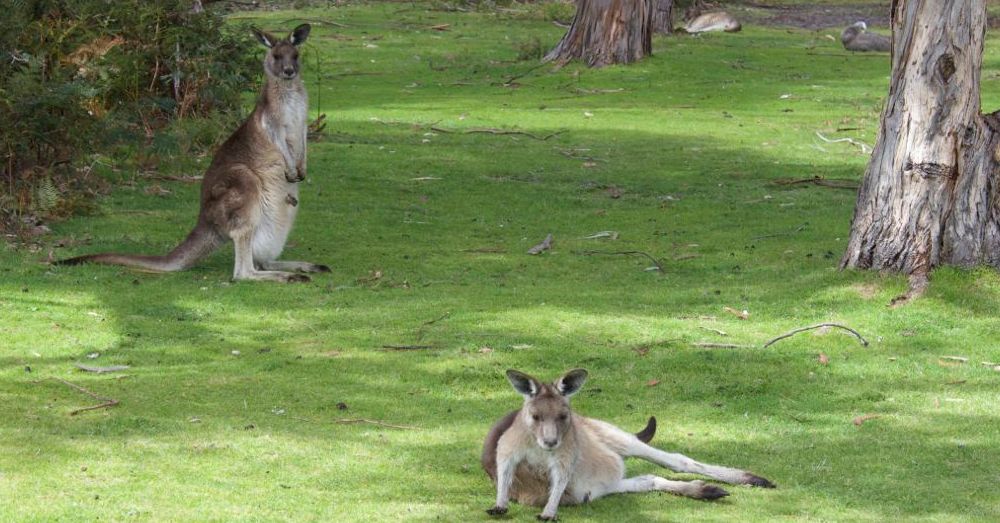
{"points": [[693, 489], [245, 268], [682, 463]]}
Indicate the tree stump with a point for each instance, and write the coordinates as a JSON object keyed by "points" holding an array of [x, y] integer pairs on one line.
{"points": [[930, 194], [607, 32], [663, 17]]}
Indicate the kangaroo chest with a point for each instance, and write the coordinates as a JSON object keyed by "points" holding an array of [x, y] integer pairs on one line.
{"points": [[287, 128]]}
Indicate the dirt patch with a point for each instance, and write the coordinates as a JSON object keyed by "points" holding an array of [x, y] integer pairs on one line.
{"points": [[865, 290], [812, 16]]}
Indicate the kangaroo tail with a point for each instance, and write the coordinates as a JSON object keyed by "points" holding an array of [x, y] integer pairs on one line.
{"points": [[201, 242], [646, 435]]}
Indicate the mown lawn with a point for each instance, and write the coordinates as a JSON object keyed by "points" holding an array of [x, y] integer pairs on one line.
{"points": [[230, 407]]}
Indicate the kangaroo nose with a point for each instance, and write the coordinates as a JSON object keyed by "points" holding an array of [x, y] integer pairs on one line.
{"points": [[289, 71], [551, 443]]}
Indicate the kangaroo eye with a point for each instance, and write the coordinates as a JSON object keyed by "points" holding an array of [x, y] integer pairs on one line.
{"points": [[536, 417], [562, 417]]}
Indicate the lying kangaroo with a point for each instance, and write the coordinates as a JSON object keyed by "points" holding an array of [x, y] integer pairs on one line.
{"points": [[716, 21], [544, 454], [250, 194], [857, 38]]}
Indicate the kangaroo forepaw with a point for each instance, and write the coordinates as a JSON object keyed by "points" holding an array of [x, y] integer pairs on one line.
{"points": [[756, 481], [496, 511], [297, 177]]}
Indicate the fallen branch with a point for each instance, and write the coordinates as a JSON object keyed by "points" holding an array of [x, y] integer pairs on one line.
{"points": [[423, 327], [798, 229], [435, 320], [106, 402], [803, 329], [491, 130], [821, 181], [100, 370], [544, 246], [348, 421], [710, 345], [657, 263], [865, 149], [407, 347], [509, 81], [598, 91]]}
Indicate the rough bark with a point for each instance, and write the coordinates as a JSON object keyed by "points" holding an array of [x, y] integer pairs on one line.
{"points": [[663, 17], [606, 32], [929, 195]]}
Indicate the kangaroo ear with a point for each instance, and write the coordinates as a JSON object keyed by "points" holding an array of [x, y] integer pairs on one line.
{"points": [[300, 34], [264, 38], [524, 384], [570, 383]]}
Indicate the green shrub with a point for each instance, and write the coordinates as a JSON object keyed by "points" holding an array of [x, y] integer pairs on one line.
{"points": [[81, 76]]}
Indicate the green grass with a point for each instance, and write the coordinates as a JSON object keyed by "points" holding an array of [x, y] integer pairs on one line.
{"points": [[693, 139]]}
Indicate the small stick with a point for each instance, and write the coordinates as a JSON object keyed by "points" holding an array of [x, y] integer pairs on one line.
{"points": [[100, 370], [435, 320], [803, 329], [798, 229], [407, 347], [821, 181], [107, 402], [657, 263], [710, 345], [955, 358], [346, 421], [498, 131], [423, 327], [864, 148], [510, 80]]}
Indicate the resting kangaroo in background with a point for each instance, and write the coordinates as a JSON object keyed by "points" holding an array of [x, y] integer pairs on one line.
{"points": [[250, 194], [857, 38], [544, 454], [716, 21]]}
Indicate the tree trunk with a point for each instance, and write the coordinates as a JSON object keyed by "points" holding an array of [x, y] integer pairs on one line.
{"points": [[929, 195], [607, 32], [663, 17]]}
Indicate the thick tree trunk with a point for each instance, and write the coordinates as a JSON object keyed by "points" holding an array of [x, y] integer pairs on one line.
{"points": [[663, 17], [929, 195], [607, 32]]}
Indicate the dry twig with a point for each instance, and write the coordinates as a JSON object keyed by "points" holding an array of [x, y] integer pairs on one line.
{"points": [[835, 183], [490, 130], [865, 149], [348, 421], [710, 345], [106, 402], [803, 329], [407, 347], [657, 263], [100, 370]]}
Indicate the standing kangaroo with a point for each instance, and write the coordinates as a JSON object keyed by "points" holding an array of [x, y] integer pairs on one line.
{"points": [[250, 194], [544, 454]]}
